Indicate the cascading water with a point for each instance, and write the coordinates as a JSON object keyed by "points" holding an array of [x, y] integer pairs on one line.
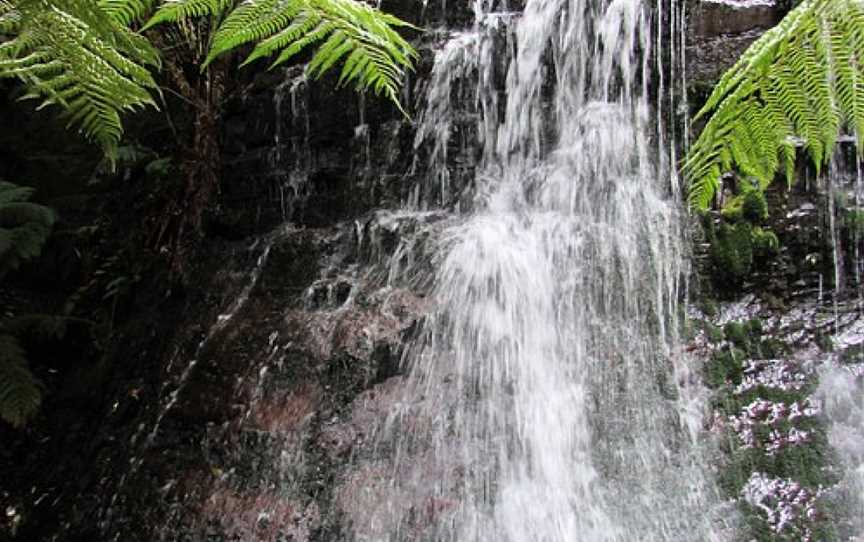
{"points": [[840, 392], [545, 395]]}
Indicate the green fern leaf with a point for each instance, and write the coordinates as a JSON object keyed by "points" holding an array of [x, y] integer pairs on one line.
{"points": [[24, 227], [375, 55], [20, 392], [74, 54], [802, 80], [178, 10], [127, 12]]}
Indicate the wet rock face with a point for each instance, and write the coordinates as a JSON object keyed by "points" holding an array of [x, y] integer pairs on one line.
{"points": [[308, 152], [714, 18], [820, 242], [775, 374], [284, 387], [719, 31]]}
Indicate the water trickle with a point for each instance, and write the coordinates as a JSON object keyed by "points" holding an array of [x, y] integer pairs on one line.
{"points": [[841, 392], [176, 386], [546, 395], [291, 158]]}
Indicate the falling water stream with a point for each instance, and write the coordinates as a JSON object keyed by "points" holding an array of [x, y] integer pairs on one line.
{"points": [[546, 396]]}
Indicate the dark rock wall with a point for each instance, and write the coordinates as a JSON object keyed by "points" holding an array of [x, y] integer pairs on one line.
{"points": [[718, 33]]}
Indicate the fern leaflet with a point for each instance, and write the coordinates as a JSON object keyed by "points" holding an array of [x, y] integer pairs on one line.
{"points": [[802, 80]]}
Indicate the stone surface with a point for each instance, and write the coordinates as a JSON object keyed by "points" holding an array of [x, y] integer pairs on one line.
{"points": [[718, 32]]}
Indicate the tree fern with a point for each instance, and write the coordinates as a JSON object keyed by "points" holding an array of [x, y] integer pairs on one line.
{"points": [[177, 10], [375, 55], [126, 12], [20, 392], [803, 81], [73, 54], [82, 55], [24, 226]]}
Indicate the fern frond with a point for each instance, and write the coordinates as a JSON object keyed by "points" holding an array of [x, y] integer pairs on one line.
{"points": [[10, 19], [126, 12], [24, 226], [178, 10], [802, 80], [20, 392], [73, 54], [374, 55]]}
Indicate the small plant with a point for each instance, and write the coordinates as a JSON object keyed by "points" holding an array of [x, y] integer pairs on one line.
{"points": [[749, 206], [20, 392], [765, 243], [732, 254], [24, 228]]}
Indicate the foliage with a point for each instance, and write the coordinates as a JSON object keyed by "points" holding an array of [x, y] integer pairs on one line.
{"points": [[20, 392], [731, 254], [778, 462], [83, 56], [73, 54], [24, 226], [801, 82], [750, 205], [765, 243], [375, 55]]}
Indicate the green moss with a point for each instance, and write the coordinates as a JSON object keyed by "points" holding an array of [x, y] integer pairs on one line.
{"points": [[723, 367], [749, 206], [765, 243], [732, 212], [732, 255], [754, 206], [738, 335], [854, 220], [754, 327], [714, 333], [771, 348], [708, 307]]}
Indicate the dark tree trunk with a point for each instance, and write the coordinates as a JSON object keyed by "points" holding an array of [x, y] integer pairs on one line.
{"points": [[183, 222]]}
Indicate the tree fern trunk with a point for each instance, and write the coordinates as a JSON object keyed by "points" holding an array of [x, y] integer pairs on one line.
{"points": [[184, 222]]}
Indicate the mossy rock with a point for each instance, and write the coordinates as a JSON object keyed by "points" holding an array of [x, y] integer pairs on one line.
{"points": [[737, 334], [726, 366], [766, 244], [749, 206], [754, 207], [732, 255], [854, 221]]}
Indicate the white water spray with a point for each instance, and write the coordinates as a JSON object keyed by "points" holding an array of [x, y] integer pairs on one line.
{"points": [[540, 400]]}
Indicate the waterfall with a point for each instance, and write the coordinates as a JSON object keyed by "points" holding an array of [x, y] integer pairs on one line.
{"points": [[840, 393], [546, 396]]}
